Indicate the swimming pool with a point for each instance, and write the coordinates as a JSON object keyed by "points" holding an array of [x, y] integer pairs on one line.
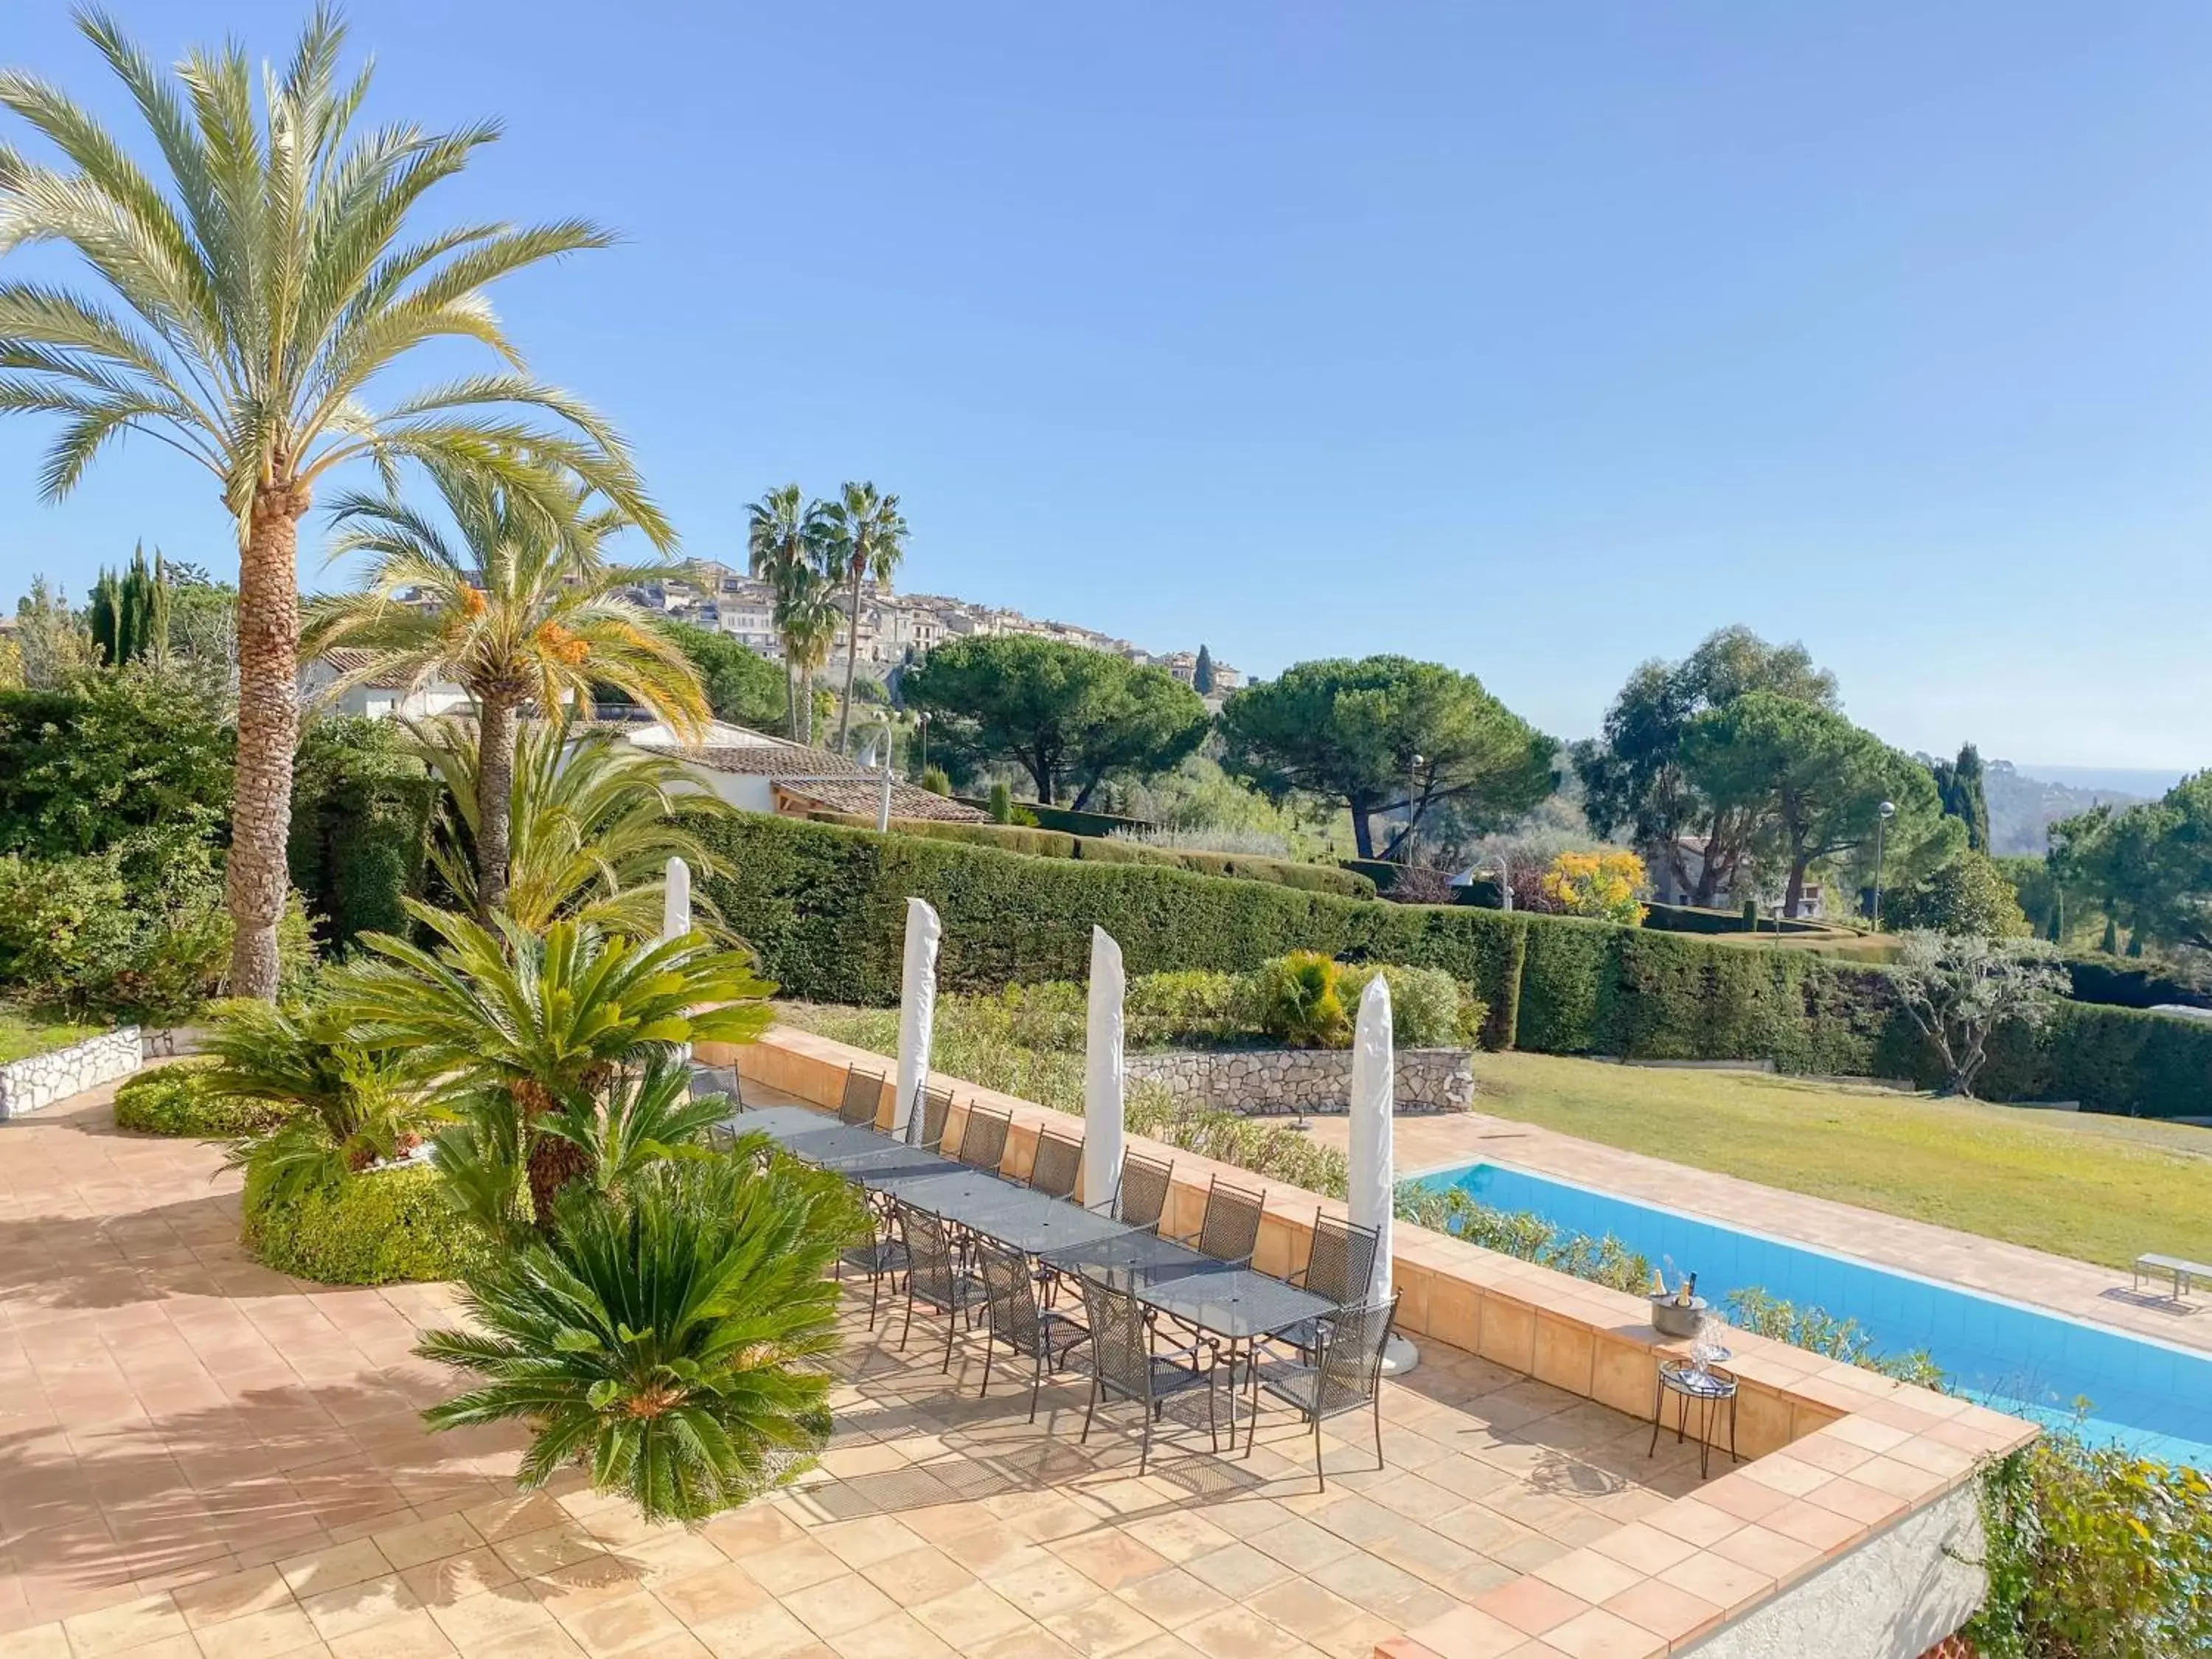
{"points": [[2144, 1394]]}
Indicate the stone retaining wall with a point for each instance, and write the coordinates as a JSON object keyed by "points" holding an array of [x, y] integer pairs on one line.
{"points": [[41, 1079], [1263, 1081]]}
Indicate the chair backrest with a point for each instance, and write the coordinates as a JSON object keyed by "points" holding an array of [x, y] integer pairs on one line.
{"points": [[983, 1137], [710, 1080], [1143, 1198], [1057, 1164], [1011, 1294], [1229, 1231], [936, 1107], [929, 1254], [864, 1095], [1350, 1360], [1120, 1341], [1340, 1265]]}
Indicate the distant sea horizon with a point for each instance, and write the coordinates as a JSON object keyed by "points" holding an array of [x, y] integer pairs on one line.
{"points": [[2145, 782]]}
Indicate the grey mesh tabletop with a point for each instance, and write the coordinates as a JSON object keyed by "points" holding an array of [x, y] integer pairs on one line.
{"points": [[1128, 1256], [975, 1198], [823, 1140], [1237, 1303]]}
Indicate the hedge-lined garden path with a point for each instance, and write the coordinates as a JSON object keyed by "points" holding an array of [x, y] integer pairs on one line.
{"points": [[2097, 1294], [201, 1458]]}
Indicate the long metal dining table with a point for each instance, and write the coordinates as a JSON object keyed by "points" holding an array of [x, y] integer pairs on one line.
{"points": [[1235, 1305]]}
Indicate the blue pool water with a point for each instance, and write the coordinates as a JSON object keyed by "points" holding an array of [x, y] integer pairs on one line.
{"points": [[2147, 1395]]}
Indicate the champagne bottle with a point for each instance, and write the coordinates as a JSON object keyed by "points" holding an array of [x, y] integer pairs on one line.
{"points": [[1689, 1296]]}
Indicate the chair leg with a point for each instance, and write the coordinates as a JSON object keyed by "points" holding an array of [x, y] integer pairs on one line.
{"points": [[1318, 1475], [1213, 1422], [1144, 1453], [951, 1335], [990, 1353], [907, 1330], [1090, 1409], [1378, 1428], [1036, 1384]]}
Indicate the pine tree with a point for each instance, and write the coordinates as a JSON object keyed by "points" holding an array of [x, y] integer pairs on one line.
{"points": [[1201, 677], [2110, 944]]}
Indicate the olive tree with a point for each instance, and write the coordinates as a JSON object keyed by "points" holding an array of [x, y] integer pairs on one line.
{"points": [[1958, 988]]}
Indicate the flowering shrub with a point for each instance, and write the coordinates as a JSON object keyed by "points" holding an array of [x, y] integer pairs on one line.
{"points": [[1603, 884]]}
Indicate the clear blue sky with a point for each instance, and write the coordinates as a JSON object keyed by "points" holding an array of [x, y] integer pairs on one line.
{"points": [[1534, 339]]}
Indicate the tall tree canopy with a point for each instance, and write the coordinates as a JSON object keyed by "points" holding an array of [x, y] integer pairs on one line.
{"points": [[2149, 867], [742, 686], [269, 296], [1386, 733], [1808, 786], [1069, 716], [864, 540], [1634, 786]]}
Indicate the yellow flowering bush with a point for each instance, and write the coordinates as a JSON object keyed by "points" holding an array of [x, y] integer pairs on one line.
{"points": [[1602, 884]]}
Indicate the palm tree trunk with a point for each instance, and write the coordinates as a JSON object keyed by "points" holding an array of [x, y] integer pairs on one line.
{"points": [[790, 695], [494, 800], [851, 656], [806, 705], [257, 880]]}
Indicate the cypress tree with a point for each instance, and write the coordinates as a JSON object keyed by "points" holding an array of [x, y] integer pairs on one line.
{"points": [[2110, 944], [1201, 677], [1959, 785]]}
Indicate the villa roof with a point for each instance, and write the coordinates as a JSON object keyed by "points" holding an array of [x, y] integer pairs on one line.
{"points": [[774, 760], [864, 795]]}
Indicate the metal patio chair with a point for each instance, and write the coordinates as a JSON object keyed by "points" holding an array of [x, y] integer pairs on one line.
{"points": [[864, 1096], [1123, 1365], [929, 1129], [1034, 1332], [1346, 1375], [1229, 1231], [1057, 1164], [934, 1276], [1140, 1195], [983, 1137], [1340, 1265]]}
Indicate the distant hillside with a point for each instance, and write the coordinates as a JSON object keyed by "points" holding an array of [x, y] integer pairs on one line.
{"points": [[2023, 808]]}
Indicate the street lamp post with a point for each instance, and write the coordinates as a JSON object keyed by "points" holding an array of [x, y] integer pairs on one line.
{"points": [[1882, 816]]}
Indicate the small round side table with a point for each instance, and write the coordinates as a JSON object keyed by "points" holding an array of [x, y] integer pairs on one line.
{"points": [[1712, 1389]]}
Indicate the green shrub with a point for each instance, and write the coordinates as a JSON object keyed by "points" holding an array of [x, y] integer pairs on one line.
{"points": [[826, 908], [2092, 1552], [934, 779], [1523, 1235], [1818, 1331], [1428, 1007], [181, 1100], [361, 811], [1006, 837], [377, 1228], [1001, 809], [1194, 1003]]}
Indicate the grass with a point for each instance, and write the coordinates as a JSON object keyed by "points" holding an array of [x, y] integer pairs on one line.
{"points": [[2096, 1188], [23, 1035]]}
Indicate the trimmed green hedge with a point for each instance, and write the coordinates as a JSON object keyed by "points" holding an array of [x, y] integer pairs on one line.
{"points": [[180, 1100], [825, 908], [1058, 844], [378, 1228]]}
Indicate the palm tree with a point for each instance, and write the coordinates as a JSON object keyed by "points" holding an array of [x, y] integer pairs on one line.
{"points": [[593, 822], [513, 1025], [268, 291], [519, 609], [675, 1343], [866, 540], [787, 541]]}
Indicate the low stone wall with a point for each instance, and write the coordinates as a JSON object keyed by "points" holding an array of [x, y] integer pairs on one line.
{"points": [[41, 1079], [1262, 1081]]}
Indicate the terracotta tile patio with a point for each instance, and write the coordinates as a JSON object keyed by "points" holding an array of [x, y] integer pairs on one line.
{"points": [[201, 1457]]}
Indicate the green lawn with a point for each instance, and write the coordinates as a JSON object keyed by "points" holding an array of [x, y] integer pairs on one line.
{"points": [[2097, 1189], [23, 1035]]}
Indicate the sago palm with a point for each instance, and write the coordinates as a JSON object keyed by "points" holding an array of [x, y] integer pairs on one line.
{"points": [[591, 823], [548, 1020], [866, 539], [788, 545], [516, 607], [675, 1343], [267, 288], [344, 1106]]}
